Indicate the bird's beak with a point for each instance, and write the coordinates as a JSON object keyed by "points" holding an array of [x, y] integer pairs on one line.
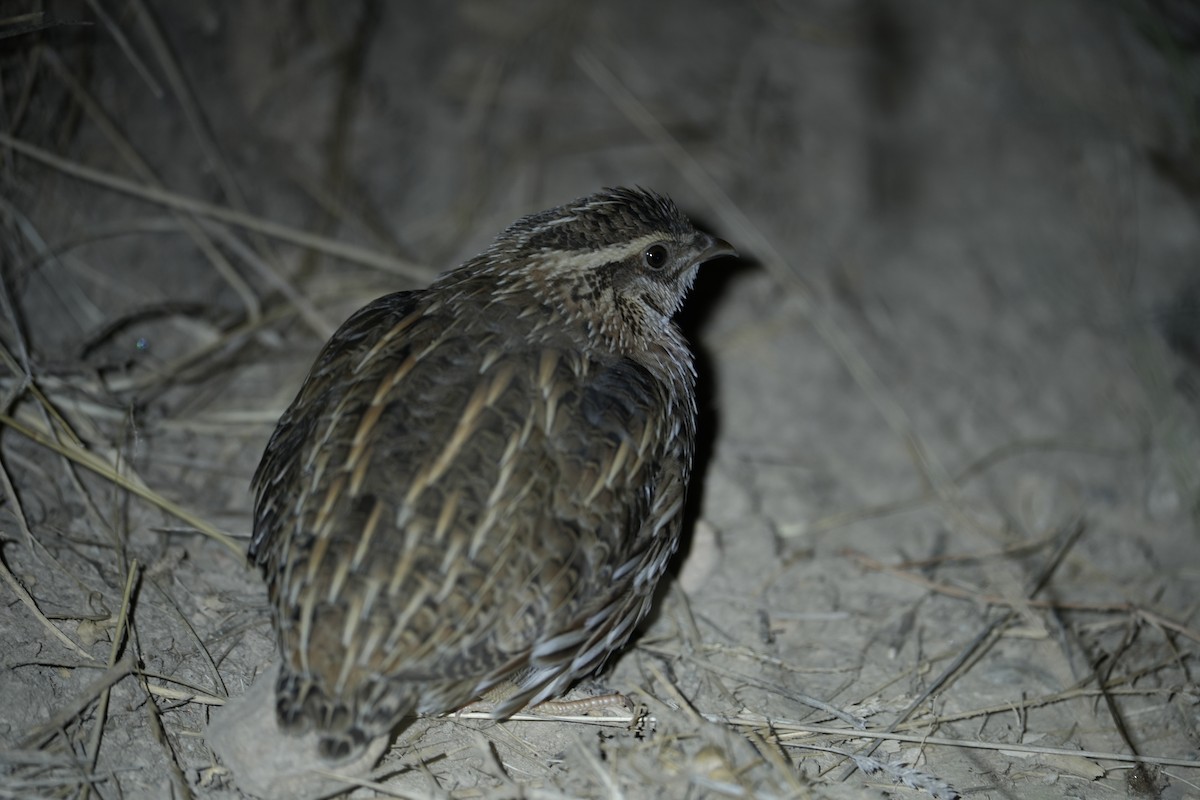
{"points": [[711, 247]]}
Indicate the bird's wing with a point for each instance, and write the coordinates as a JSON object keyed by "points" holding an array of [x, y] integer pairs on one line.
{"points": [[620, 511], [443, 508], [278, 482]]}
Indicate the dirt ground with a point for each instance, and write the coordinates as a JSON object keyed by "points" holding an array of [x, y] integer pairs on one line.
{"points": [[949, 481]]}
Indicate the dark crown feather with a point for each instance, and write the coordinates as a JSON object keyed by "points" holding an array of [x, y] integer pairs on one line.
{"points": [[608, 217]]}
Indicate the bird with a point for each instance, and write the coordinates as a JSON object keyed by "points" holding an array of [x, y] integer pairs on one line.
{"points": [[479, 484]]}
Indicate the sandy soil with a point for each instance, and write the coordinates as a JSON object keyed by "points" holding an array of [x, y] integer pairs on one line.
{"points": [[949, 481]]}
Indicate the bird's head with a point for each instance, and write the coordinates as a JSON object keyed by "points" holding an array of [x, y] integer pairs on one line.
{"points": [[617, 263]]}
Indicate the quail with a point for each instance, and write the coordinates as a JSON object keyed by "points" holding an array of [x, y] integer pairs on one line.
{"points": [[479, 484]]}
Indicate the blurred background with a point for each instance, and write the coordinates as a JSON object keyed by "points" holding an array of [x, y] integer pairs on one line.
{"points": [[950, 472]]}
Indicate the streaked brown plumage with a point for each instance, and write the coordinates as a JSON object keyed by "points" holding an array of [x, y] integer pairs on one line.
{"points": [[480, 483]]}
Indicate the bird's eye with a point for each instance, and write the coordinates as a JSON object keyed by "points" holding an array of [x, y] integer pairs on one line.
{"points": [[655, 256]]}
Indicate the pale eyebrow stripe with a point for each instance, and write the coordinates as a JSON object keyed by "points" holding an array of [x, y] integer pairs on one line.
{"points": [[582, 259]]}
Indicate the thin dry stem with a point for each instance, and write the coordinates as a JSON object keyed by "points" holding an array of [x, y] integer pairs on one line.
{"points": [[98, 465], [284, 233]]}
